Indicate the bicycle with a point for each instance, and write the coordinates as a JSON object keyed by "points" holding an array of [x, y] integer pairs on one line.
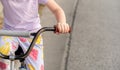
{"points": [[21, 56]]}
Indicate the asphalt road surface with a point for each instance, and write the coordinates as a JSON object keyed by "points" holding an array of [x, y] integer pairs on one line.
{"points": [[95, 40]]}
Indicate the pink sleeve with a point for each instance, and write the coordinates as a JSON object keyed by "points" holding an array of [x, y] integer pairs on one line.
{"points": [[42, 1]]}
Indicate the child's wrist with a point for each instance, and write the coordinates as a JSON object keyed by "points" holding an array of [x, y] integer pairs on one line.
{"points": [[62, 23]]}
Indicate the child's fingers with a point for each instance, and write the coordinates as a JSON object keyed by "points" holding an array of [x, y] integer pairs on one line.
{"points": [[67, 28], [62, 28]]}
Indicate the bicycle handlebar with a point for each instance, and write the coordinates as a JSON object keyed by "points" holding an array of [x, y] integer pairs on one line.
{"points": [[14, 33], [24, 34]]}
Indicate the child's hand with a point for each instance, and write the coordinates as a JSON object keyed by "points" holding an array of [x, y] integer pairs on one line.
{"points": [[62, 28]]}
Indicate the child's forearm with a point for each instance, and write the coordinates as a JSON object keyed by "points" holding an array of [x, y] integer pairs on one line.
{"points": [[60, 16], [57, 11]]}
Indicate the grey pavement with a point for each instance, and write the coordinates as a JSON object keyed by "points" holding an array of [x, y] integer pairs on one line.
{"points": [[95, 39]]}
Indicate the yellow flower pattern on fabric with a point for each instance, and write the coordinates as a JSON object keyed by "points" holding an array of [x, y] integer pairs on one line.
{"points": [[5, 49], [11, 43], [6, 37], [39, 40], [31, 67]]}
